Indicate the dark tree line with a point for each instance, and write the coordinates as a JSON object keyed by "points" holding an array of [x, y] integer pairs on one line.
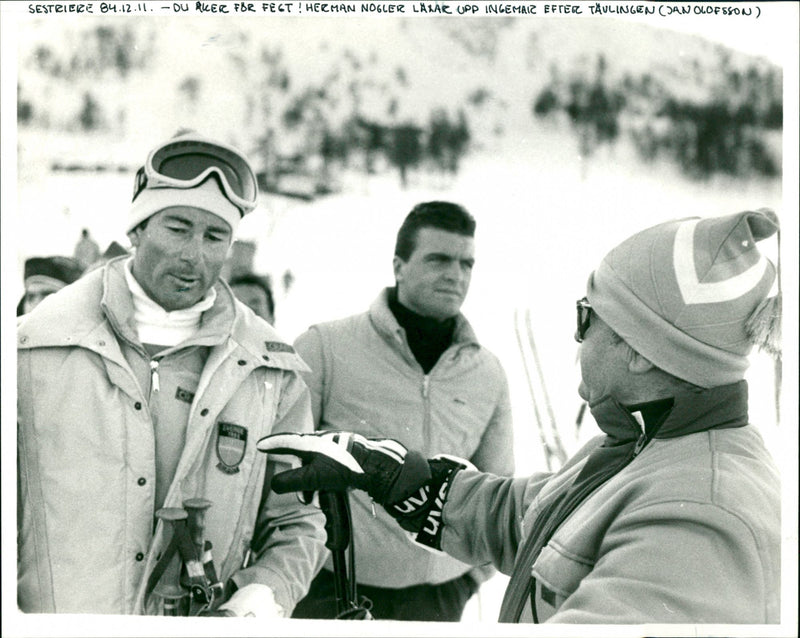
{"points": [[706, 127]]}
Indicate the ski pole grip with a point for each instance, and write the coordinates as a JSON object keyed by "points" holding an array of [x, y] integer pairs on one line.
{"points": [[196, 510], [174, 599], [335, 507]]}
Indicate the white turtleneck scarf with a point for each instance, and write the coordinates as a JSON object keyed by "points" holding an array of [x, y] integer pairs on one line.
{"points": [[160, 327]]}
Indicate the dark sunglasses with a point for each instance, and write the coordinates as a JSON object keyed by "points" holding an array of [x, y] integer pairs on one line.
{"points": [[584, 316]]}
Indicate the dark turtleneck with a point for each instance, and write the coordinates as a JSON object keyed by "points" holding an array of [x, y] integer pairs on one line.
{"points": [[428, 338]]}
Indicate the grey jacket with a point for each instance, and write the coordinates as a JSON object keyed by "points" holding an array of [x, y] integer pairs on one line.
{"points": [[364, 378], [688, 532]]}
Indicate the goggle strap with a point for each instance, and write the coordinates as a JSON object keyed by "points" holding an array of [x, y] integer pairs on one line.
{"points": [[139, 183]]}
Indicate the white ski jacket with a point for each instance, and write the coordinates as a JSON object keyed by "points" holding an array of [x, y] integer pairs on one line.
{"points": [[364, 378], [86, 469]]}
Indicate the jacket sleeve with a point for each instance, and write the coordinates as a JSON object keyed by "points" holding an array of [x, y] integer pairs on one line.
{"points": [[672, 562], [483, 517], [309, 346], [294, 550], [495, 453]]}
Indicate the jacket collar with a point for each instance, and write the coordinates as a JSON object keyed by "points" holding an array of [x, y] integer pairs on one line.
{"points": [[721, 407], [99, 307], [117, 303], [385, 322]]}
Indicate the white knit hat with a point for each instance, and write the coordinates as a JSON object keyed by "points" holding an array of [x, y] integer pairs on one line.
{"points": [[684, 293], [207, 196]]}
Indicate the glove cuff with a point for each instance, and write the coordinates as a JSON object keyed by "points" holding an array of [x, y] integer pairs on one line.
{"points": [[421, 513], [414, 473]]}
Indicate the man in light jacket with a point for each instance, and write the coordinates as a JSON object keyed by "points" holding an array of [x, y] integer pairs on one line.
{"points": [[411, 368], [142, 388], [673, 514]]}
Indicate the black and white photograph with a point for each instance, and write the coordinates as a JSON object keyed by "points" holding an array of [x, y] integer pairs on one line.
{"points": [[399, 318]]}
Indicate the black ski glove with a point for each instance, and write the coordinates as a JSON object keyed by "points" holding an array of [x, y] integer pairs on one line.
{"points": [[409, 487], [336, 461]]}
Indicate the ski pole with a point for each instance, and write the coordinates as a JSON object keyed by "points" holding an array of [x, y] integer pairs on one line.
{"points": [[334, 506], [549, 453], [202, 588], [560, 452], [174, 597], [338, 525]]}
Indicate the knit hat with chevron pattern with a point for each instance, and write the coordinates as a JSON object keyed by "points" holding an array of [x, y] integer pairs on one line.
{"points": [[684, 294]]}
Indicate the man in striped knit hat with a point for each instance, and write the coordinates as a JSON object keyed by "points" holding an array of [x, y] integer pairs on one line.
{"points": [[672, 515]]}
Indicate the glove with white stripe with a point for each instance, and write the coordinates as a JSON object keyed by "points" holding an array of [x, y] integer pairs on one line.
{"points": [[408, 486], [336, 461]]}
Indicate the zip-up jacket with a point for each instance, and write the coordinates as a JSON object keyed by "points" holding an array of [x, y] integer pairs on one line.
{"points": [[685, 530], [364, 378], [87, 536]]}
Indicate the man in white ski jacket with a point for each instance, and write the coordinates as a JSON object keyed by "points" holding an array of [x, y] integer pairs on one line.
{"points": [[411, 368], [144, 385]]}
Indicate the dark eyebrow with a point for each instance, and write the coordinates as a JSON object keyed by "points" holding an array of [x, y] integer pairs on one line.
{"points": [[175, 217], [172, 217], [222, 230], [469, 260]]}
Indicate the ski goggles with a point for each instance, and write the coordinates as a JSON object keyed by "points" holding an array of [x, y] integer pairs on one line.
{"points": [[188, 161], [584, 317]]}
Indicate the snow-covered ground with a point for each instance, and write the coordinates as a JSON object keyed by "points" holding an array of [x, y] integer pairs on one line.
{"points": [[541, 230]]}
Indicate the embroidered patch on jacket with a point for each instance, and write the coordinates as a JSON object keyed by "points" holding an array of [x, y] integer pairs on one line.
{"points": [[184, 395], [278, 346], [231, 444]]}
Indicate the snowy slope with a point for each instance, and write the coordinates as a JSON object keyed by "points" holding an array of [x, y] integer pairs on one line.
{"points": [[443, 62]]}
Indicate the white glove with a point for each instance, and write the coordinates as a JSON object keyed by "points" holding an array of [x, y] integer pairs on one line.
{"points": [[254, 600]]}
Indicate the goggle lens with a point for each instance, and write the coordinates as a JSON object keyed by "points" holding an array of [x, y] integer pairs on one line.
{"points": [[191, 165]]}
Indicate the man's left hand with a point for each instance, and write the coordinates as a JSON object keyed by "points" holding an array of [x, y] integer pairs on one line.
{"points": [[336, 461]]}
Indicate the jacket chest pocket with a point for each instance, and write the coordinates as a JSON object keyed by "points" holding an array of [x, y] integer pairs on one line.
{"points": [[557, 577], [231, 470], [459, 418], [247, 416]]}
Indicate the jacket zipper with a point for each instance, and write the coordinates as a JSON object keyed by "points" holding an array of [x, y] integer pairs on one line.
{"points": [[154, 384], [426, 423], [639, 445]]}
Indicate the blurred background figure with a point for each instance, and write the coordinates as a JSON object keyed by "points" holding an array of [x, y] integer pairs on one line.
{"points": [[87, 251], [44, 276], [288, 280], [115, 249], [255, 291]]}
